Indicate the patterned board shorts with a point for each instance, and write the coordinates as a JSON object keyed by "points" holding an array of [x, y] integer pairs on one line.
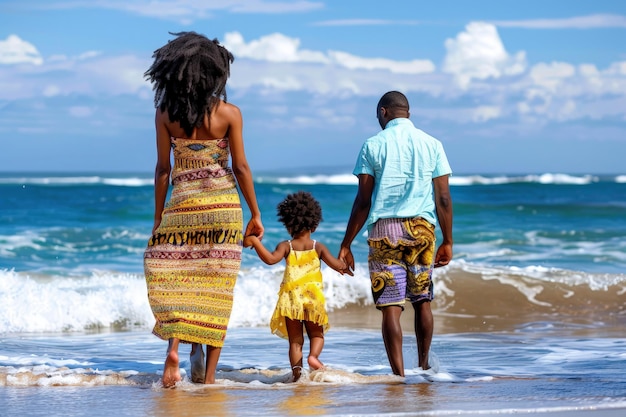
{"points": [[401, 257]]}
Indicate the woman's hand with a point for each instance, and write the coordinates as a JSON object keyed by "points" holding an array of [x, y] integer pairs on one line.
{"points": [[255, 227]]}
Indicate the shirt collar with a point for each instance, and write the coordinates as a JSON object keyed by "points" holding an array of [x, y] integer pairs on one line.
{"points": [[398, 121]]}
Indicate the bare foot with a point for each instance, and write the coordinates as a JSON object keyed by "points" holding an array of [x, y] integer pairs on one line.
{"points": [[296, 372], [198, 367], [171, 373], [315, 363]]}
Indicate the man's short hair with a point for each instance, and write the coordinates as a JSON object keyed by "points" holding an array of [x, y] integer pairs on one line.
{"points": [[394, 100]]}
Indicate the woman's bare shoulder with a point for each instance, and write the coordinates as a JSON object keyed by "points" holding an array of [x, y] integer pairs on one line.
{"points": [[228, 110], [226, 107]]}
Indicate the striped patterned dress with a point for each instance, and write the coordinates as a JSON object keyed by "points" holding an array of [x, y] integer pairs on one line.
{"points": [[193, 258]]}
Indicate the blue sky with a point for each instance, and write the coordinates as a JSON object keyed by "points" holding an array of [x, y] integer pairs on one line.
{"points": [[508, 87]]}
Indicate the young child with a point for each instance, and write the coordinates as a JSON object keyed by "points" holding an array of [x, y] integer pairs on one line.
{"points": [[301, 302]]}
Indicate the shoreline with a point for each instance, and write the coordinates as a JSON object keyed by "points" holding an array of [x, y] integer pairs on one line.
{"points": [[367, 317]]}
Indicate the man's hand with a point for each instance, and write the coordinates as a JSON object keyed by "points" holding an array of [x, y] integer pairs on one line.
{"points": [[444, 255], [345, 255]]}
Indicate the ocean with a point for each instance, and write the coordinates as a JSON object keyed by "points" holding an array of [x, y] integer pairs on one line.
{"points": [[529, 317]]}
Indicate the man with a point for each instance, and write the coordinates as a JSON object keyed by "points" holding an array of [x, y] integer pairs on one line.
{"points": [[403, 192]]}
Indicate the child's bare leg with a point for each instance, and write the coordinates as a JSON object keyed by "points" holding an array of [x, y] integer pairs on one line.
{"points": [[212, 356], [316, 338], [296, 340], [171, 373]]}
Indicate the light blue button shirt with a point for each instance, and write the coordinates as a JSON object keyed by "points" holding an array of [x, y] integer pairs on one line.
{"points": [[403, 161]]}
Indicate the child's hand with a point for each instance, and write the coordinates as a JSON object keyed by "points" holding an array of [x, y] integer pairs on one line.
{"points": [[248, 241]]}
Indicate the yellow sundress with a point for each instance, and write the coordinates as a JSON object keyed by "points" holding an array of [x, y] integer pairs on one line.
{"points": [[300, 296]]}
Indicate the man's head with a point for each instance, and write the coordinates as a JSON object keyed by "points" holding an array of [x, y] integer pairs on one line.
{"points": [[392, 105]]}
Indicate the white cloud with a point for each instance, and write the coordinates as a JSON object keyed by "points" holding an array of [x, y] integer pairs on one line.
{"points": [[366, 22], [280, 48], [17, 51], [185, 11], [578, 22], [91, 75], [274, 48], [561, 91], [264, 6], [551, 76], [281, 83], [491, 84], [88, 55], [617, 68], [350, 61], [483, 114], [248, 76], [478, 53], [588, 70]]}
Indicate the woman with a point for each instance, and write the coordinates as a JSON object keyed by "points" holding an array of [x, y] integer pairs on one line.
{"points": [[194, 255]]}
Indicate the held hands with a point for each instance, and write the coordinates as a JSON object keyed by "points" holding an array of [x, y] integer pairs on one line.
{"points": [[345, 255], [255, 228], [250, 240], [253, 233]]}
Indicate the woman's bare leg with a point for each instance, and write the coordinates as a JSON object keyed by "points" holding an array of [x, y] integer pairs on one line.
{"points": [[316, 339], [171, 372], [198, 364], [212, 356], [296, 340]]}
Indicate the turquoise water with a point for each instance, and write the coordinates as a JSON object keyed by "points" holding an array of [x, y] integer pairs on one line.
{"points": [[52, 223], [529, 315]]}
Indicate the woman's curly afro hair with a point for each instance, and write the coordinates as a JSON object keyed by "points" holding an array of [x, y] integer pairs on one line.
{"points": [[189, 76], [299, 212]]}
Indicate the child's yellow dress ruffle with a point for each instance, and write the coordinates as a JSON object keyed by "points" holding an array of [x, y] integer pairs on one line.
{"points": [[300, 296]]}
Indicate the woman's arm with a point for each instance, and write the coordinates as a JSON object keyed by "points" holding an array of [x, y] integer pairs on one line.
{"points": [[163, 166], [241, 169]]}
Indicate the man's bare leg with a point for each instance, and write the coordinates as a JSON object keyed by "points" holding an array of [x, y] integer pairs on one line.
{"points": [[392, 336], [424, 328], [296, 340], [316, 338], [171, 372], [212, 357]]}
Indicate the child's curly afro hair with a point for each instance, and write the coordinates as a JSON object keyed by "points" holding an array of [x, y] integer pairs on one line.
{"points": [[299, 212]]}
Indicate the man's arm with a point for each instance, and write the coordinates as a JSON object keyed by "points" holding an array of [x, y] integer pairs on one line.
{"points": [[360, 211], [443, 205]]}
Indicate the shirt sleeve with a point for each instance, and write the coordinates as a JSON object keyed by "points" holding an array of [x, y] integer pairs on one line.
{"points": [[442, 166], [363, 164]]}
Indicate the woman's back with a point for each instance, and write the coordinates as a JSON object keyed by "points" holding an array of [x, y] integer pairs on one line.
{"points": [[215, 126]]}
